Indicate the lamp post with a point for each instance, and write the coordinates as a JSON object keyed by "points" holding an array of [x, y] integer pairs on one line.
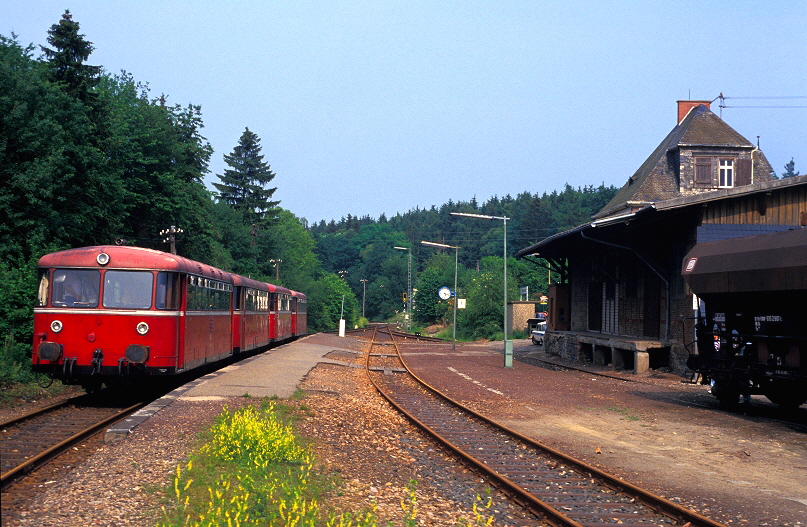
{"points": [[508, 344], [363, 294], [171, 237], [408, 306], [456, 253], [276, 263]]}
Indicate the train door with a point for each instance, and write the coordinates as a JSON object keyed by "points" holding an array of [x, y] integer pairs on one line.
{"points": [[272, 317], [293, 316], [239, 319]]}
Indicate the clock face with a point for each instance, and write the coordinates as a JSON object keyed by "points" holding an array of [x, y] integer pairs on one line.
{"points": [[444, 293]]}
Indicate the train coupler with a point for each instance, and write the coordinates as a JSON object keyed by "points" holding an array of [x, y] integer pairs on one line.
{"points": [[97, 359], [122, 363]]}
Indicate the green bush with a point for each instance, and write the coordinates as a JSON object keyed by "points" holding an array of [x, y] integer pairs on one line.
{"points": [[15, 366]]}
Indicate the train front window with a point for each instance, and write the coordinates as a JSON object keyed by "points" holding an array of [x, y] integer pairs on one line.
{"points": [[74, 288], [44, 287], [128, 289]]}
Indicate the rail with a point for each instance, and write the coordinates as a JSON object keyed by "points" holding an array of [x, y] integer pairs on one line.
{"points": [[34, 453], [562, 490]]}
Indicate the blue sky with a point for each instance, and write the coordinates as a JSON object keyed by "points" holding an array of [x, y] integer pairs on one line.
{"points": [[370, 107]]}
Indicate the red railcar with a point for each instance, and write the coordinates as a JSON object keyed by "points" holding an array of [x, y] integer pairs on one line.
{"points": [[108, 313], [299, 314], [250, 314], [279, 313]]}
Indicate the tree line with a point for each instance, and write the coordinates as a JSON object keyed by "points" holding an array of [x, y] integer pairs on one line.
{"points": [[89, 157], [363, 251]]}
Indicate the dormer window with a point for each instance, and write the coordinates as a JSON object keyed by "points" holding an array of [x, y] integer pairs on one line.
{"points": [[726, 173]]}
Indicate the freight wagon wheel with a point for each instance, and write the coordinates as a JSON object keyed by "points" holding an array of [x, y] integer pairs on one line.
{"points": [[728, 393], [786, 395]]}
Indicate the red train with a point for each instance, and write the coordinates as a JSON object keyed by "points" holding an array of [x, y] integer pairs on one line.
{"points": [[108, 314]]}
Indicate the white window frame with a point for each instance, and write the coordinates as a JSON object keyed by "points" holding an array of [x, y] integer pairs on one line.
{"points": [[726, 172]]}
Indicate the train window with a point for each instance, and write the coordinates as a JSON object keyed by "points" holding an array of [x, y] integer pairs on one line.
{"points": [[237, 300], [195, 295], [75, 288], [44, 287], [167, 291], [128, 289]]}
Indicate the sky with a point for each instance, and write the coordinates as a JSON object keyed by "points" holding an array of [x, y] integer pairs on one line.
{"points": [[371, 107]]}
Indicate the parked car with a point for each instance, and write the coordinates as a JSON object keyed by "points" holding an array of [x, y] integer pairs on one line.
{"points": [[537, 334]]}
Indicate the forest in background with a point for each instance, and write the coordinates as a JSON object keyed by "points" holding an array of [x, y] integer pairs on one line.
{"points": [[89, 157]]}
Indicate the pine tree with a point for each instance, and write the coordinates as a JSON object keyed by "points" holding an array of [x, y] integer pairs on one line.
{"points": [[67, 60], [790, 169], [243, 186]]}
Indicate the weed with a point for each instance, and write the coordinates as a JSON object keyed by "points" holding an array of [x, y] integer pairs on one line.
{"points": [[625, 413], [251, 470]]}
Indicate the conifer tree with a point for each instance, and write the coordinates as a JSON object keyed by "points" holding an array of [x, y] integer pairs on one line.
{"points": [[790, 169], [243, 186], [67, 60]]}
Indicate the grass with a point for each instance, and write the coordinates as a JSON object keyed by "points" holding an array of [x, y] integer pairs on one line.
{"points": [[624, 412], [15, 393], [252, 470]]}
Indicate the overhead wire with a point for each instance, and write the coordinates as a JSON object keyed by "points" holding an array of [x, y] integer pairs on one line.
{"points": [[757, 98]]}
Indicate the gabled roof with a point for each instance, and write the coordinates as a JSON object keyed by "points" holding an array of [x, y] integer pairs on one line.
{"points": [[654, 180]]}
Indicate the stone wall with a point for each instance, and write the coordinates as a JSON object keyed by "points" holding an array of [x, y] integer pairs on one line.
{"points": [[518, 313]]}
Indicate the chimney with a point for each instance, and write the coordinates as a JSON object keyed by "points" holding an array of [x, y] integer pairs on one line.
{"points": [[685, 106]]}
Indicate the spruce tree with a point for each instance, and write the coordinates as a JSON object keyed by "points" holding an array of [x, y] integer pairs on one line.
{"points": [[67, 60], [243, 186], [790, 169]]}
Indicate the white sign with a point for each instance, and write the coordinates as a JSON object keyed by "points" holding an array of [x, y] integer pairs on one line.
{"points": [[460, 303]]}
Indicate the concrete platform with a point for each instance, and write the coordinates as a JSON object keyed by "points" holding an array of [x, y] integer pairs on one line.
{"points": [[276, 372]]}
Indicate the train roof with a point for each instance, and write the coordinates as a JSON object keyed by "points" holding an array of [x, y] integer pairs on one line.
{"points": [[126, 257], [279, 289], [243, 281], [768, 262]]}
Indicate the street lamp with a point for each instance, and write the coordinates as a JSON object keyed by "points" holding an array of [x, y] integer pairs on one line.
{"points": [[276, 263], [408, 286], [508, 344], [171, 237], [456, 253]]}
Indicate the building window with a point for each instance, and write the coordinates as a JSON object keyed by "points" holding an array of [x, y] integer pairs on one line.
{"points": [[726, 173]]}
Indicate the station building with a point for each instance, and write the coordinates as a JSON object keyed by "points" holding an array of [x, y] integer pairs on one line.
{"points": [[620, 300]]}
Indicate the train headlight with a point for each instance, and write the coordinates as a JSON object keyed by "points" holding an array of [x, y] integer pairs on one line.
{"points": [[49, 351], [102, 259], [142, 328], [56, 326]]}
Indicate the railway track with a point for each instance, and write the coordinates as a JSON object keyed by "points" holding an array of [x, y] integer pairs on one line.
{"points": [[30, 441], [559, 489]]}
